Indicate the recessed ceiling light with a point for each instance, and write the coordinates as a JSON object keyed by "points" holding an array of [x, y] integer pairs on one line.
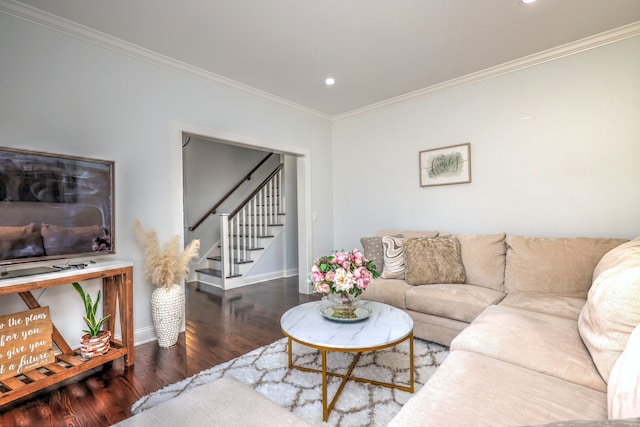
{"points": [[526, 2], [330, 81]]}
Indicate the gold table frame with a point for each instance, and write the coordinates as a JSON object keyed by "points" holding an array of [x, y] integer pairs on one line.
{"points": [[327, 408]]}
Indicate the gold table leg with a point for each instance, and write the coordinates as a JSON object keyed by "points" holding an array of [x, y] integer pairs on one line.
{"points": [[328, 407], [325, 408]]}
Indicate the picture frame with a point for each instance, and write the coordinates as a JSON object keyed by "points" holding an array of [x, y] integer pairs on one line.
{"points": [[445, 165]]}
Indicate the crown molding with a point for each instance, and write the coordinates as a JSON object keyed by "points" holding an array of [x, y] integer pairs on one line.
{"points": [[617, 34], [36, 16], [81, 32]]}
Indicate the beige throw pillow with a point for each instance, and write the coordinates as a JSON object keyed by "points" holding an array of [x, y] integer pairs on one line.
{"points": [[433, 260], [612, 310], [393, 257], [623, 391]]}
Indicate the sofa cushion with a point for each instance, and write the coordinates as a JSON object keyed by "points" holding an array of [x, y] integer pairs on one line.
{"points": [[612, 310], [547, 344], [393, 257], [560, 266], [458, 302], [435, 328], [560, 306], [433, 260], [623, 389], [483, 257], [373, 251], [388, 291], [469, 389]]}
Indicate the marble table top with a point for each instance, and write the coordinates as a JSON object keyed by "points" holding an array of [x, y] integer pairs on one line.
{"points": [[306, 324]]}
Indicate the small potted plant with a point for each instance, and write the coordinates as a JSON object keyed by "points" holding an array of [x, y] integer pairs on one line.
{"points": [[96, 341]]}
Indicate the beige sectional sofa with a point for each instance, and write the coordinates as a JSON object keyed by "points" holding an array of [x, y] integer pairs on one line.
{"points": [[547, 275], [534, 327], [541, 332]]}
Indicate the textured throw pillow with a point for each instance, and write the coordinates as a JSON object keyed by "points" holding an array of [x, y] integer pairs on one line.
{"points": [[433, 260], [612, 310], [623, 390], [373, 251], [393, 257]]}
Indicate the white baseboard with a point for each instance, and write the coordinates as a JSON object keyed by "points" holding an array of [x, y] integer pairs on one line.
{"points": [[144, 335], [250, 280]]}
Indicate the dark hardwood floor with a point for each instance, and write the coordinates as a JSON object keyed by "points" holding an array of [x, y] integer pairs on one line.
{"points": [[219, 326]]}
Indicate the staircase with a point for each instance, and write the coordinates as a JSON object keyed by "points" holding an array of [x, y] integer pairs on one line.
{"points": [[246, 234]]}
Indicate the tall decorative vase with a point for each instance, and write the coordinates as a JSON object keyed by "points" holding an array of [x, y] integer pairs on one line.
{"points": [[167, 313]]}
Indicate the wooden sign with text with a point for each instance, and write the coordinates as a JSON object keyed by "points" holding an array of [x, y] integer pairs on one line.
{"points": [[25, 341]]}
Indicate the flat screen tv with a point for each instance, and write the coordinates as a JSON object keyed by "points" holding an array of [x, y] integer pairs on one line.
{"points": [[54, 206]]}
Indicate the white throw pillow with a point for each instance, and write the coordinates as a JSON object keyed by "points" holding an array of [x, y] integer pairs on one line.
{"points": [[393, 257], [623, 389], [612, 310]]}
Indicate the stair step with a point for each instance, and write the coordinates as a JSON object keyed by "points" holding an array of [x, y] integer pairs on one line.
{"points": [[265, 225], [215, 273], [259, 237], [242, 248], [219, 258]]}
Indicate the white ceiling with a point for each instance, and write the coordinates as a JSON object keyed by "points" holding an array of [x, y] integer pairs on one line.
{"points": [[375, 49]]}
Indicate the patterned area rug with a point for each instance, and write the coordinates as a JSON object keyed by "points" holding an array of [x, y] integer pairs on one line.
{"points": [[265, 369]]}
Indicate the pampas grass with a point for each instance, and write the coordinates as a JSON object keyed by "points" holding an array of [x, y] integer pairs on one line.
{"points": [[165, 265]]}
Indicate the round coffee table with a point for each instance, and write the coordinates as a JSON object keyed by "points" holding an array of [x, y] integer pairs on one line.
{"points": [[387, 326]]}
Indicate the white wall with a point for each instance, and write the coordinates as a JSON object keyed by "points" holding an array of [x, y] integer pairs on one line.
{"points": [[554, 152], [64, 95]]}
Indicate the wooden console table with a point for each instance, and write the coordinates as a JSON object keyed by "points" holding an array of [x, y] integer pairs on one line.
{"points": [[117, 285]]}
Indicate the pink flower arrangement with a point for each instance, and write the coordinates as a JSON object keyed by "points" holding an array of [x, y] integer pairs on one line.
{"points": [[343, 272]]}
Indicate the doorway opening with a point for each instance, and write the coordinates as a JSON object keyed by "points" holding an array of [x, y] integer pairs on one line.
{"points": [[180, 131]]}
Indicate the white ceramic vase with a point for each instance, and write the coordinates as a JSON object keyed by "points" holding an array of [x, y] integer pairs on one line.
{"points": [[167, 313]]}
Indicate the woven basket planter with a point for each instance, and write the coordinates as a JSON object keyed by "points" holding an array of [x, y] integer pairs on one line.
{"points": [[95, 346], [167, 313]]}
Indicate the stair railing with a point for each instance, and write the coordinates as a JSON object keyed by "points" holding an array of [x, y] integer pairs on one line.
{"points": [[242, 229], [215, 207]]}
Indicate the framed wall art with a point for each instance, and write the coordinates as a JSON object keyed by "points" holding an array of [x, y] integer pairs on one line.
{"points": [[445, 165]]}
